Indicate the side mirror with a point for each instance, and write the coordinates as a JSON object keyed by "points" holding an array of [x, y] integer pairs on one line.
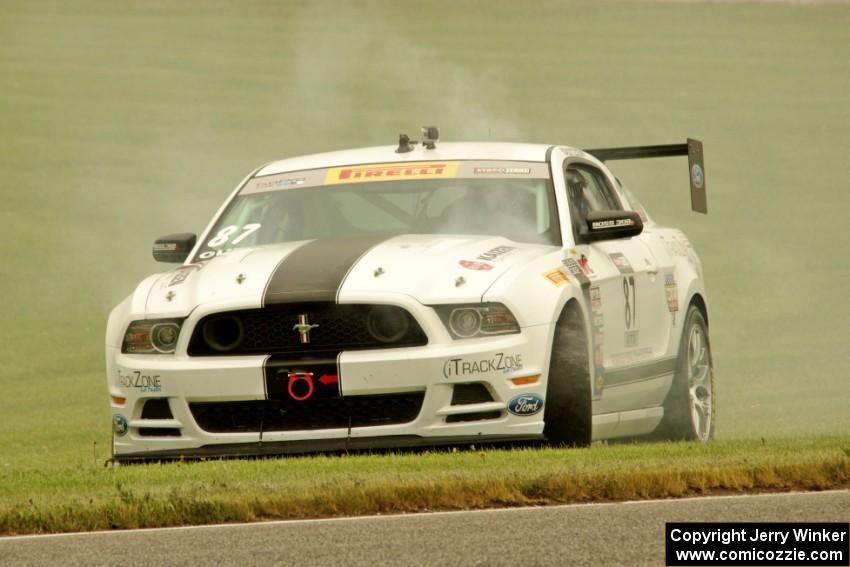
{"points": [[609, 225], [173, 248]]}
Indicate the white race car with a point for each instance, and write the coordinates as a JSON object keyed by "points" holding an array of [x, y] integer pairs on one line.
{"points": [[423, 294]]}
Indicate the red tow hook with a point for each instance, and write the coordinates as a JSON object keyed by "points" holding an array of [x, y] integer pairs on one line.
{"points": [[294, 378]]}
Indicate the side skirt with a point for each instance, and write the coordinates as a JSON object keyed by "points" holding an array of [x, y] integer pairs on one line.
{"points": [[626, 423]]}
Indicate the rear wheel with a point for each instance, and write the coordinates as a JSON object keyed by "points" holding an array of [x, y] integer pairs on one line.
{"points": [[689, 408], [567, 416]]}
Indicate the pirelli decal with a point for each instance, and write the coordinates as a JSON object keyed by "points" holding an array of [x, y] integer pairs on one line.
{"points": [[391, 172]]}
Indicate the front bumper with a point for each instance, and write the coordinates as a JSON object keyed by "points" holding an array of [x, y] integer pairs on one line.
{"points": [[433, 370]]}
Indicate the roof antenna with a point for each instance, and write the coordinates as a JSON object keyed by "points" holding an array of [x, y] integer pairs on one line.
{"points": [[404, 144], [430, 136]]}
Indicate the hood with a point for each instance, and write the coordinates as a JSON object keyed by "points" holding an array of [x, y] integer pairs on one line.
{"points": [[433, 269], [437, 269], [238, 278]]}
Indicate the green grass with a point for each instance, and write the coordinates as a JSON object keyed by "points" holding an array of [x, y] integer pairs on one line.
{"points": [[92, 497], [121, 122]]}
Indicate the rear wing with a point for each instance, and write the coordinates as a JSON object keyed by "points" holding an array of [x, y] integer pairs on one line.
{"points": [[696, 166]]}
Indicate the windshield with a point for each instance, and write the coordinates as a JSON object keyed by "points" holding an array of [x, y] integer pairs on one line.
{"points": [[499, 198]]}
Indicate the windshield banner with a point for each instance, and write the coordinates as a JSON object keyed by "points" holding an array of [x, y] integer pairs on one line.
{"points": [[467, 169]]}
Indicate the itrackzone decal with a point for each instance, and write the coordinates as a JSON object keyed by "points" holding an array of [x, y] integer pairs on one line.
{"points": [[142, 382], [280, 183], [285, 181], [499, 362]]}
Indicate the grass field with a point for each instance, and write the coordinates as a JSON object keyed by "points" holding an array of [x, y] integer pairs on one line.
{"points": [[97, 498], [120, 122]]}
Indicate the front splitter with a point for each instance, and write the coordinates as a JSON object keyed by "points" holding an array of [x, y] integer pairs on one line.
{"points": [[351, 444]]}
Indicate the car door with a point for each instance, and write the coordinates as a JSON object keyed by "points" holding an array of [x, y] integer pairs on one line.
{"points": [[626, 297]]}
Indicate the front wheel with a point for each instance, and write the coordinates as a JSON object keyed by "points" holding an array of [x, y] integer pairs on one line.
{"points": [[568, 413], [689, 408]]}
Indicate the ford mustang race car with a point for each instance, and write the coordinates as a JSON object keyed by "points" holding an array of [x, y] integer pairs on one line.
{"points": [[423, 294]]}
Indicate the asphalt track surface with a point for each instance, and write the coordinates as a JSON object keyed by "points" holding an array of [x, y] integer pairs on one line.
{"points": [[629, 533]]}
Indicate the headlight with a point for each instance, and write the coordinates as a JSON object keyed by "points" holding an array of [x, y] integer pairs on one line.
{"points": [[480, 319], [152, 336]]}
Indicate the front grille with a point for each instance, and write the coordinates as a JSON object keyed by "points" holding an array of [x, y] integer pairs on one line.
{"points": [[338, 327], [156, 408], [159, 432], [315, 413], [481, 416], [470, 393]]}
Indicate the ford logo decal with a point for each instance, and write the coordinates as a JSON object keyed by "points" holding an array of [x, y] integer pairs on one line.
{"points": [[526, 404]]}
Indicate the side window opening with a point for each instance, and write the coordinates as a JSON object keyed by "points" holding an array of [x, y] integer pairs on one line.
{"points": [[587, 191]]}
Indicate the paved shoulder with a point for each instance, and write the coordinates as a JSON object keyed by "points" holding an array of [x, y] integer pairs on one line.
{"points": [[595, 534]]}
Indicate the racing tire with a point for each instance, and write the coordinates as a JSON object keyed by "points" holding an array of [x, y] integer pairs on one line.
{"points": [[689, 407], [567, 418]]}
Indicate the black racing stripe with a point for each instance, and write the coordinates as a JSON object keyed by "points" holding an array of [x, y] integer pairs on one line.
{"points": [[316, 270], [640, 372], [313, 272]]}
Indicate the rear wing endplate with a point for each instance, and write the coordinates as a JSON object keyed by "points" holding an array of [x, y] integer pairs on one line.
{"points": [[696, 165]]}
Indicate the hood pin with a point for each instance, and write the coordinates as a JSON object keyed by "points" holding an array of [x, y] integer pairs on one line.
{"points": [[459, 281], [378, 272], [170, 295], [240, 278]]}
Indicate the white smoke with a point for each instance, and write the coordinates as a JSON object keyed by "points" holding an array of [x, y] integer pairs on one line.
{"points": [[408, 76]]}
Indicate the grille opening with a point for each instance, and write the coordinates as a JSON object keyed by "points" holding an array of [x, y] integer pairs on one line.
{"points": [[157, 408], [386, 324], [470, 393], [337, 327], [159, 432], [315, 413], [223, 333], [480, 416]]}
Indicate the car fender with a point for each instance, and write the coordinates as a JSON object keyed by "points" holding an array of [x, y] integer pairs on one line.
{"points": [[688, 281], [537, 293]]}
